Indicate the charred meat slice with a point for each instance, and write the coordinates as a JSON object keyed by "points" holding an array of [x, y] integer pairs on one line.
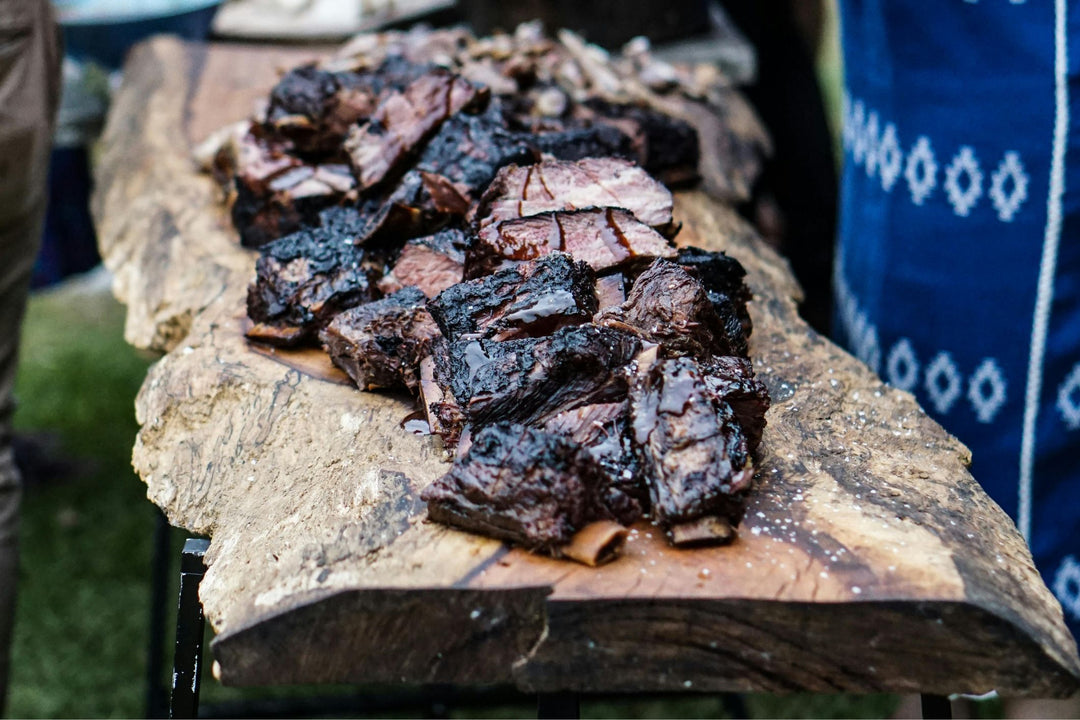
{"points": [[670, 307], [603, 431], [724, 278], [276, 193], [410, 210], [432, 263], [315, 108], [694, 449], [731, 380], [574, 185], [576, 142], [469, 149], [533, 298], [380, 344], [604, 238], [527, 380], [403, 121], [444, 416], [304, 279], [516, 483], [668, 146]]}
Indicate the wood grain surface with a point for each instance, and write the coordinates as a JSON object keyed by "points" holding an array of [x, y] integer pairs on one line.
{"points": [[869, 559]]}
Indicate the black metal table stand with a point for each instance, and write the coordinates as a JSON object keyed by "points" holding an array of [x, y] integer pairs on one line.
{"points": [[190, 625], [936, 707], [558, 706]]}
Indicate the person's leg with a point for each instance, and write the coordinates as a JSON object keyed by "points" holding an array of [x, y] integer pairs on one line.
{"points": [[29, 94]]}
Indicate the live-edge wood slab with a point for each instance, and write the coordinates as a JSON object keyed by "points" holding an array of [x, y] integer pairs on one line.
{"points": [[869, 559]]}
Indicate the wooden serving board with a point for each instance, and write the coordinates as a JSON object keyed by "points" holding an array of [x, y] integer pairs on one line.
{"points": [[869, 559]]}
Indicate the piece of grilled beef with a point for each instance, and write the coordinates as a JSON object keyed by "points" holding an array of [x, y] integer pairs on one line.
{"points": [[724, 279], [731, 379], [431, 263], [403, 121], [694, 449], [519, 191], [315, 108], [444, 415], [604, 433], [603, 237], [667, 146], [302, 280], [668, 306], [529, 379], [531, 299], [275, 193], [516, 483], [610, 291], [469, 149], [380, 344]]}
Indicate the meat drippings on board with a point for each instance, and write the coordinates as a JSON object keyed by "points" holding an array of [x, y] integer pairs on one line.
{"points": [[483, 223]]}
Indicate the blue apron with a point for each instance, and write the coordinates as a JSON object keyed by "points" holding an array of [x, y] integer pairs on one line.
{"points": [[958, 267]]}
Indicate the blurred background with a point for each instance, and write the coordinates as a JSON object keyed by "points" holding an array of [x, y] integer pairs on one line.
{"points": [[84, 640]]}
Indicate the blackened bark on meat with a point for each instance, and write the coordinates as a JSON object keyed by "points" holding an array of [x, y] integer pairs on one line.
{"points": [[444, 415], [604, 433], [671, 147], [603, 237], [469, 149], [304, 279], [694, 449], [574, 185], [575, 143], [731, 380], [380, 344], [431, 263], [276, 193], [516, 483], [724, 278], [670, 307], [408, 211], [529, 379], [403, 121], [534, 298]]}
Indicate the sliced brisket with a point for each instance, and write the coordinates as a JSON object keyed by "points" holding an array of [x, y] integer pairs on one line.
{"points": [[304, 279], [604, 238], [431, 263], [574, 185], [529, 379], [694, 449], [379, 344], [516, 483], [669, 306], [530, 299]]}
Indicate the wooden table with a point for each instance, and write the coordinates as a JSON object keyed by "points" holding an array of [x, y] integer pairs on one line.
{"points": [[869, 559]]}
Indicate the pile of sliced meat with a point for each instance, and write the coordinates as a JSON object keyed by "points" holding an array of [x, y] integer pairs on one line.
{"points": [[447, 219]]}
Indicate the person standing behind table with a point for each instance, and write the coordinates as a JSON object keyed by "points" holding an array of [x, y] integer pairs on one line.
{"points": [[29, 95], [958, 264]]}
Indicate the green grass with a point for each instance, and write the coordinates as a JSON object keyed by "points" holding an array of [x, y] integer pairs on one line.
{"points": [[81, 619]]}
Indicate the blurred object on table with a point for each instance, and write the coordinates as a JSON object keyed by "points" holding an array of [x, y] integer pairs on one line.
{"points": [[103, 30], [323, 20]]}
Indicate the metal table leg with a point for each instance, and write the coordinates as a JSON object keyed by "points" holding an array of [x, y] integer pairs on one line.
{"points": [[558, 706], [157, 696], [190, 624], [937, 707]]}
